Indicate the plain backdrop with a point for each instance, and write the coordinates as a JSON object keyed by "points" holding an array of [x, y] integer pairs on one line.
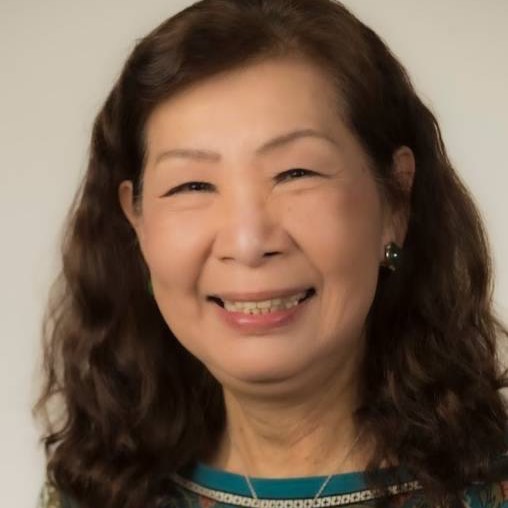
{"points": [[58, 61]]}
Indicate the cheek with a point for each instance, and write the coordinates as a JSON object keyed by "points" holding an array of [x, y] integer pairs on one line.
{"points": [[341, 226], [171, 248], [342, 231]]}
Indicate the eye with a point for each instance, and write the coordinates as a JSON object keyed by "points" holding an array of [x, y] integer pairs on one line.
{"points": [[290, 173], [203, 186], [188, 187]]}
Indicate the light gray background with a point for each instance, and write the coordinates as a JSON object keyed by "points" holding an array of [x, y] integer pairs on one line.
{"points": [[58, 61]]}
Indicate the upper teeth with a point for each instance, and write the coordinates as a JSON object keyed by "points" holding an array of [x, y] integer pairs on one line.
{"points": [[284, 303]]}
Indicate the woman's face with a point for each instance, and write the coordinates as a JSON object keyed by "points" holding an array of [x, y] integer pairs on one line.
{"points": [[253, 225]]}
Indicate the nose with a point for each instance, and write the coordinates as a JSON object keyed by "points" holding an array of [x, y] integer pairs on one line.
{"points": [[249, 229]]}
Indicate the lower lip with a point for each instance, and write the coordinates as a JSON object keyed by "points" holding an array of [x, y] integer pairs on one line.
{"points": [[255, 323]]}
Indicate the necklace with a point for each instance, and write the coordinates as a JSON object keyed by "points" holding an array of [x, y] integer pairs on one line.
{"points": [[325, 483]]}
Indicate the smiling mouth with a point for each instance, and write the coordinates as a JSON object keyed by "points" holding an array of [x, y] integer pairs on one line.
{"points": [[309, 293]]}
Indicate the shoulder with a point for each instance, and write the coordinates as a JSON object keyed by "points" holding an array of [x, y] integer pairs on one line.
{"points": [[487, 495], [493, 492]]}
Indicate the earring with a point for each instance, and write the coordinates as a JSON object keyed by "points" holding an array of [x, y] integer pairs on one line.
{"points": [[150, 287], [393, 254]]}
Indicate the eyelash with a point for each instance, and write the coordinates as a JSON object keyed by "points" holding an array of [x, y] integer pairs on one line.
{"points": [[186, 187]]}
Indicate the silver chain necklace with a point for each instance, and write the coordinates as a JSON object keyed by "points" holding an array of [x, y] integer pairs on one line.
{"points": [[325, 483]]}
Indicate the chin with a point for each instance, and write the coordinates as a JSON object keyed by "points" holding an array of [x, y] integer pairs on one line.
{"points": [[261, 375]]}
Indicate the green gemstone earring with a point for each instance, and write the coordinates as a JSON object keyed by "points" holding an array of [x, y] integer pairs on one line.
{"points": [[393, 254], [150, 287]]}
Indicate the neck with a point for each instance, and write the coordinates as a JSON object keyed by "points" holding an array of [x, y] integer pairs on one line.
{"points": [[308, 435]]}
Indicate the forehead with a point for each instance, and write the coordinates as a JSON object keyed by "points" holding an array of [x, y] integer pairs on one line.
{"points": [[245, 106]]}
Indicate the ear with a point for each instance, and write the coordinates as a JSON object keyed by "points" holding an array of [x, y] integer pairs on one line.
{"points": [[126, 198], [396, 221]]}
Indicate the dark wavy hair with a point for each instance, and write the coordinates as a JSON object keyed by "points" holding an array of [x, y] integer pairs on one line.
{"points": [[136, 406]]}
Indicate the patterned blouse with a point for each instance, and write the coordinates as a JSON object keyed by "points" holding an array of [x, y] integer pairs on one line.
{"points": [[201, 486]]}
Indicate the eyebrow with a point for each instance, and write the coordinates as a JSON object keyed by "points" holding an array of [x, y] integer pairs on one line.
{"points": [[272, 144]]}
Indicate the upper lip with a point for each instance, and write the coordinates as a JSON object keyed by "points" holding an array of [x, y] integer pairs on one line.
{"points": [[253, 296]]}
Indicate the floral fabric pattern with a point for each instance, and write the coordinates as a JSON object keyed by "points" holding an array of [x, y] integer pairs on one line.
{"points": [[49, 497]]}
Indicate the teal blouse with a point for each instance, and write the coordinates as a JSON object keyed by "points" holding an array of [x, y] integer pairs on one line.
{"points": [[201, 486]]}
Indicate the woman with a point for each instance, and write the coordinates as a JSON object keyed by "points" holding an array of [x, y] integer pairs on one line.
{"points": [[276, 291]]}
